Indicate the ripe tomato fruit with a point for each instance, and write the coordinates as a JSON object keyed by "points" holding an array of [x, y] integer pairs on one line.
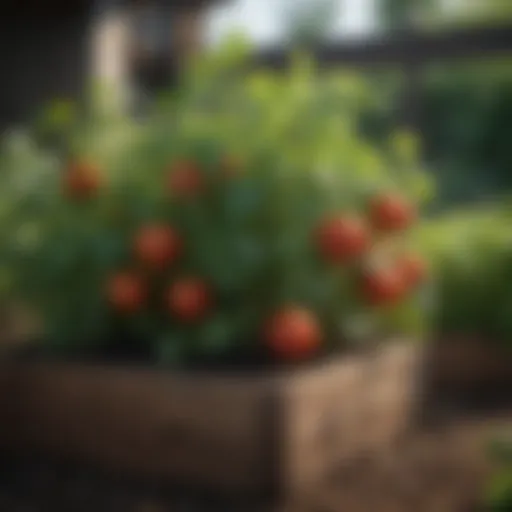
{"points": [[389, 212], [189, 299], [126, 292], [413, 269], [185, 179], [157, 245], [81, 180], [293, 334], [383, 286], [341, 239]]}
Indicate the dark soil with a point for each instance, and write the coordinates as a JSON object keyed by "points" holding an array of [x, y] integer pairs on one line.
{"points": [[442, 469], [245, 359]]}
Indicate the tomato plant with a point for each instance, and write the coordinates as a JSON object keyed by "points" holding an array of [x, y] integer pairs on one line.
{"points": [[246, 211]]}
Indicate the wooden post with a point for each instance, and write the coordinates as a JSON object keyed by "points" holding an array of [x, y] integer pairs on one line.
{"points": [[109, 47], [187, 33]]}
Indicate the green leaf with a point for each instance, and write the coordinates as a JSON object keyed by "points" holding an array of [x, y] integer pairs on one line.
{"points": [[499, 494], [170, 349], [406, 147], [500, 450], [241, 200], [217, 335]]}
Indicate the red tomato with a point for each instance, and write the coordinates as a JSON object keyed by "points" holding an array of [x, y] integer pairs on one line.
{"points": [[383, 286], [185, 179], [81, 180], [126, 292], [413, 269], [293, 334], [342, 239], [390, 212], [157, 245], [189, 299]]}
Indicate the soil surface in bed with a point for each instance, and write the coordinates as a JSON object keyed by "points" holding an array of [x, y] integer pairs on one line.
{"points": [[440, 469], [246, 359]]}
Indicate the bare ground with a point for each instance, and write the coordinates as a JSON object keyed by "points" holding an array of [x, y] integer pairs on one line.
{"points": [[442, 469]]}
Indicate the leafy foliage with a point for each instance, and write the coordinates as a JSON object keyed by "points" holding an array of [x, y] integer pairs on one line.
{"points": [[465, 114], [400, 14], [471, 254], [467, 109], [479, 13], [438, 14], [499, 493], [272, 155], [498, 496]]}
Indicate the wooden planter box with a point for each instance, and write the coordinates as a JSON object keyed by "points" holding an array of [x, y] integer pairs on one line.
{"points": [[266, 434]]}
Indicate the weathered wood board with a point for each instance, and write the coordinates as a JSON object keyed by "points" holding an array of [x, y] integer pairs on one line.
{"points": [[281, 432]]}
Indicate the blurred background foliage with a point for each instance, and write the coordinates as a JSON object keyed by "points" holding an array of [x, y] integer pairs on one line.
{"points": [[498, 493], [465, 105], [465, 126], [442, 14], [471, 254], [310, 21]]}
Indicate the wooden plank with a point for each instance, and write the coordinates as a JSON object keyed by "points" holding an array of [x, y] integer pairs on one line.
{"points": [[422, 47], [338, 414], [205, 430], [320, 418], [282, 433]]}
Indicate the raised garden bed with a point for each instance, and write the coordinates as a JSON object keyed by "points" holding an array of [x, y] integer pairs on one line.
{"points": [[263, 434], [253, 273]]}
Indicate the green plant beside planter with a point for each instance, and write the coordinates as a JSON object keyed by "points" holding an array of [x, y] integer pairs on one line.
{"points": [[498, 496], [471, 253]]}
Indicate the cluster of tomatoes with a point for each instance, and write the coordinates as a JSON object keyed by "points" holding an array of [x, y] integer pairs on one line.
{"points": [[155, 247], [292, 332], [348, 238], [344, 239]]}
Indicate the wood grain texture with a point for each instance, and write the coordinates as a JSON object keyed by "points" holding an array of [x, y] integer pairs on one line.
{"points": [[282, 432], [352, 407], [200, 429]]}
